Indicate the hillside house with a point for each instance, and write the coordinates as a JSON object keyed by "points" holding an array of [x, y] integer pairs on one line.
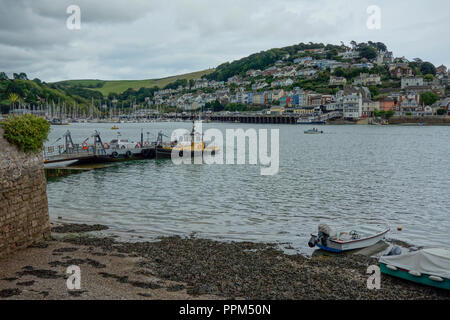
{"points": [[302, 60], [352, 106], [366, 79], [384, 57], [400, 70], [337, 81], [350, 54], [412, 82], [307, 72]]}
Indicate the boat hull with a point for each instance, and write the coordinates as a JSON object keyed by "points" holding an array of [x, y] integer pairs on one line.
{"points": [[312, 122], [162, 153], [61, 164], [422, 279]]}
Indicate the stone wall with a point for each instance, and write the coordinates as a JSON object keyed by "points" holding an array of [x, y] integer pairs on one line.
{"points": [[24, 217]]}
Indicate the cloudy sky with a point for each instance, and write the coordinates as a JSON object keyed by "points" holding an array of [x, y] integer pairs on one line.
{"points": [[144, 39]]}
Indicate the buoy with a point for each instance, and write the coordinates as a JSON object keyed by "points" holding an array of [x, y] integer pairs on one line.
{"points": [[393, 268], [399, 228], [415, 273]]}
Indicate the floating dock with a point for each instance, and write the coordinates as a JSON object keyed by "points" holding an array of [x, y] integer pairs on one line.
{"points": [[99, 152]]}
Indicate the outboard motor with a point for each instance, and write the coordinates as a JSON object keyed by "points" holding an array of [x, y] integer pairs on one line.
{"points": [[323, 239], [323, 234], [312, 242]]}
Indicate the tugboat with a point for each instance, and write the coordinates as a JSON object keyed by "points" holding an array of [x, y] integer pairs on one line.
{"points": [[190, 143]]}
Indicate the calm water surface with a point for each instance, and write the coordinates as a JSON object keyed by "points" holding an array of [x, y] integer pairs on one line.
{"points": [[348, 176]]}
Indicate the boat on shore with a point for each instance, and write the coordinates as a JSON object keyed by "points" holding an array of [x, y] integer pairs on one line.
{"points": [[430, 267], [344, 240]]}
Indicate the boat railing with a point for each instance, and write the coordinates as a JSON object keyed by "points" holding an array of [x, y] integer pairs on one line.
{"points": [[60, 152]]}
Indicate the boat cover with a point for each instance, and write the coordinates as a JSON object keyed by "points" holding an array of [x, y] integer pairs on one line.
{"points": [[434, 261]]}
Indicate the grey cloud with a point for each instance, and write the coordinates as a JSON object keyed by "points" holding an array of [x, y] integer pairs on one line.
{"points": [[141, 39]]}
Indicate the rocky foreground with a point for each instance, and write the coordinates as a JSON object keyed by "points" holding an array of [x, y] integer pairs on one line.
{"points": [[177, 268]]}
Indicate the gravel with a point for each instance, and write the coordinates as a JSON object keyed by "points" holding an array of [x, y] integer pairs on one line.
{"points": [[259, 271], [78, 228]]}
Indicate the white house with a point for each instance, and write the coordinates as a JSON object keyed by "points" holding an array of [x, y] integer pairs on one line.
{"points": [[352, 106], [351, 54], [307, 72], [412, 82], [365, 79], [384, 57], [302, 60], [337, 81]]}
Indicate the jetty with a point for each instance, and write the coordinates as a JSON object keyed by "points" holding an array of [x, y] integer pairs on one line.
{"points": [[98, 152], [269, 118]]}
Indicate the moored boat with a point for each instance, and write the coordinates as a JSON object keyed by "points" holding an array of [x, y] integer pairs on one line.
{"points": [[351, 239], [189, 145], [311, 121], [313, 131], [430, 267]]}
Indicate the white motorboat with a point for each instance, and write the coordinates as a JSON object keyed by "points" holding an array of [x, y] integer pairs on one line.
{"points": [[344, 240]]}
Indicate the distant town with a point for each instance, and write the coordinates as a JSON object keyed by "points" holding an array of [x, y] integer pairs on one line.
{"points": [[356, 82]]}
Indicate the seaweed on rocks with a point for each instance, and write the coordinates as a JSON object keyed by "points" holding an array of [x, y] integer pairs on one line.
{"points": [[6, 293], [78, 228]]}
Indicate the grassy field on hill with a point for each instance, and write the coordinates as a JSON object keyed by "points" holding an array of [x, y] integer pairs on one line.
{"points": [[118, 86]]}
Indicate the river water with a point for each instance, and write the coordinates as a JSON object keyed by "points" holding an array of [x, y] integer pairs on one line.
{"points": [[350, 175]]}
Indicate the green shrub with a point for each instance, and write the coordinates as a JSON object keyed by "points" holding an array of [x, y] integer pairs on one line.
{"points": [[441, 111], [27, 132]]}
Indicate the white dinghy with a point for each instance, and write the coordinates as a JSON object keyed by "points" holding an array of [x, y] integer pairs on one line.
{"points": [[344, 240]]}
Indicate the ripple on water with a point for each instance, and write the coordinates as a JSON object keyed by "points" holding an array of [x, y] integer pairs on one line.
{"points": [[351, 175]]}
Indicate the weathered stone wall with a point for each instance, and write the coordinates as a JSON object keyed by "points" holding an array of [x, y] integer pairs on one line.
{"points": [[24, 215]]}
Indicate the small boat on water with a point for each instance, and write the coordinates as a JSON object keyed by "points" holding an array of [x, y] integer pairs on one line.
{"points": [[114, 128], [313, 131], [430, 267], [345, 240]]}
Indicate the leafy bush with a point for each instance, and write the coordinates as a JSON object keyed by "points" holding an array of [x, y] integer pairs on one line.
{"points": [[429, 98], [441, 111], [27, 132], [384, 114]]}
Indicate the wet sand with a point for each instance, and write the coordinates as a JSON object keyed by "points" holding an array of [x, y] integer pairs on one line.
{"points": [[176, 268]]}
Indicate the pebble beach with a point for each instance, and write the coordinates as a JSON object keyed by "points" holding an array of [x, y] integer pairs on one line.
{"points": [[189, 268]]}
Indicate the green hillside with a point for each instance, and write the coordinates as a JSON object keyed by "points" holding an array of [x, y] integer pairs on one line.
{"points": [[34, 92], [118, 86]]}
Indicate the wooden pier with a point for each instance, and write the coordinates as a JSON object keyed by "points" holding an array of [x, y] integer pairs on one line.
{"points": [[269, 119]]}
